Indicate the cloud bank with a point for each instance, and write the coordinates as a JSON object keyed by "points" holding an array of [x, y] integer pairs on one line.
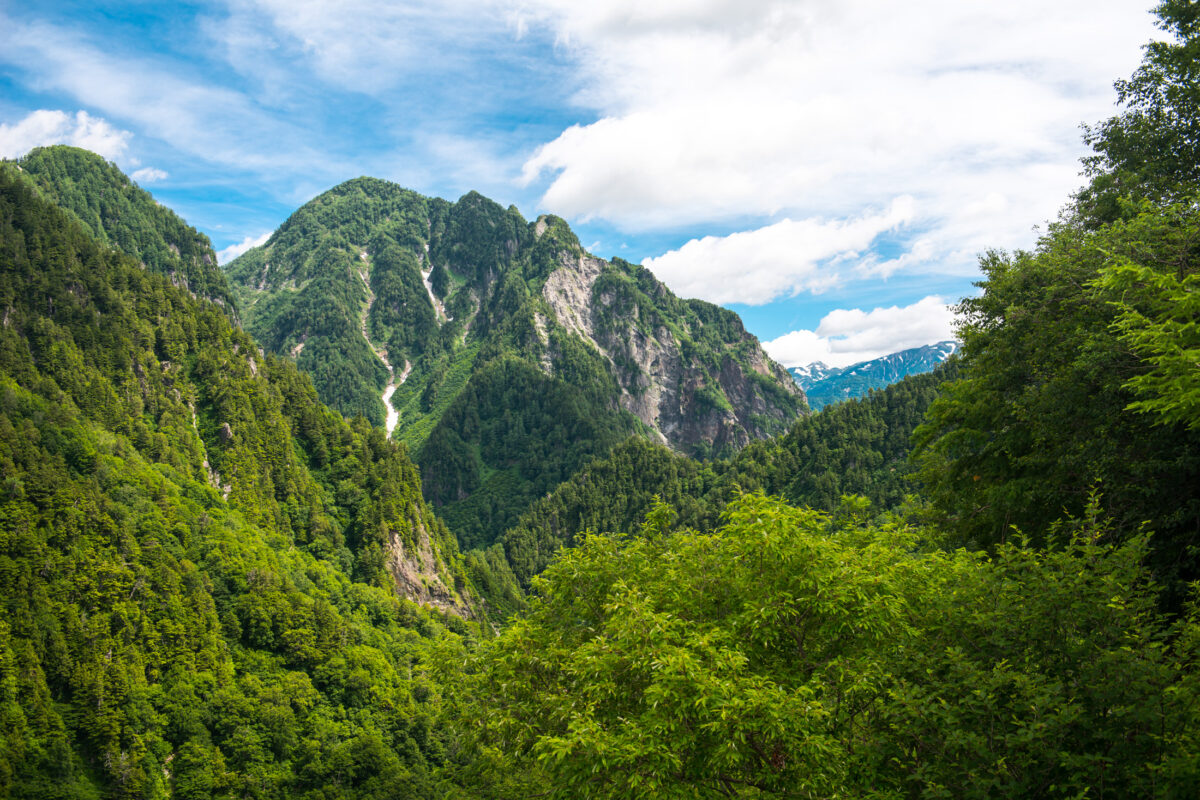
{"points": [[817, 111], [787, 257]]}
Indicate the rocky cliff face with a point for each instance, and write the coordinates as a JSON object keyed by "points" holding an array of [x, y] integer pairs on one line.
{"points": [[674, 396], [419, 575]]}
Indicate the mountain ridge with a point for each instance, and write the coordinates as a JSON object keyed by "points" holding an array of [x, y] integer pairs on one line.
{"points": [[824, 385], [119, 213]]}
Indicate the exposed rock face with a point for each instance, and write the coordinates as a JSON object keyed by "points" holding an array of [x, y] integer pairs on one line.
{"points": [[671, 394], [568, 290], [418, 577]]}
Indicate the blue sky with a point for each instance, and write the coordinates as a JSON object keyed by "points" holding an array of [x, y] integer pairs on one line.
{"points": [[830, 169]]}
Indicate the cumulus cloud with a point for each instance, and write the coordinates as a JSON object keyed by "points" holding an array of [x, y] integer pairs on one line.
{"points": [[47, 127], [224, 256], [848, 336], [789, 256], [719, 110], [150, 175]]}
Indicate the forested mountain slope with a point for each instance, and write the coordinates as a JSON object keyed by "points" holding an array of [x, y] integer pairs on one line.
{"points": [[858, 447], [202, 569], [115, 211], [521, 356]]}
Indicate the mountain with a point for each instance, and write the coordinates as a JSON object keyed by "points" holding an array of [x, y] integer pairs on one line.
{"points": [[113, 209], [510, 356], [823, 385], [207, 578]]}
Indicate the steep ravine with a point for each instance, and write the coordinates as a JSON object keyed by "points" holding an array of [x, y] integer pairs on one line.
{"points": [[426, 275], [393, 417]]}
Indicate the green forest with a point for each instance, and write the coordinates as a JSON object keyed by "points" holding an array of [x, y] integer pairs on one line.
{"points": [[218, 581]]}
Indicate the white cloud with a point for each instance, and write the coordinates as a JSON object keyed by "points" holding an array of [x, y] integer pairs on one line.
{"points": [[45, 127], [784, 258], [228, 254], [364, 45], [719, 110], [219, 124], [848, 336], [149, 175]]}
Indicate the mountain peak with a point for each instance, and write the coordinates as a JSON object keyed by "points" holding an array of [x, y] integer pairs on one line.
{"points": [[122, 215], [507, 354]]}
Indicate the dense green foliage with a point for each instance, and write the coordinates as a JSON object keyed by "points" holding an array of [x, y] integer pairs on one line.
{"points": [[791, 653], [1157, 313], [858, 447], [1078, 358], [114, 210], [501, 405], [203, 570], [1040, 416], [193, 551]]}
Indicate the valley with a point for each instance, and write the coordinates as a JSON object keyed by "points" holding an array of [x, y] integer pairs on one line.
{"points": [[421, 498]]}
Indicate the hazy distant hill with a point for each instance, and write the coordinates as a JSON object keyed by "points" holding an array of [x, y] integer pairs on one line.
{"points": [[824, 385]]}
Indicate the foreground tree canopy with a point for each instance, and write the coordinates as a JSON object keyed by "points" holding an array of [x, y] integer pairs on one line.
{"points": [[793, 653], [1079, 366]]}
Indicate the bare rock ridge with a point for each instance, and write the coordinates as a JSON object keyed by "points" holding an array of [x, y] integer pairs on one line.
{"points": [[661, 387]]}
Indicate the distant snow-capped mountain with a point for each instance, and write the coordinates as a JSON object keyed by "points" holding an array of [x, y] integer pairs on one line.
{"points": [[824, 384], [812, 374]]}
